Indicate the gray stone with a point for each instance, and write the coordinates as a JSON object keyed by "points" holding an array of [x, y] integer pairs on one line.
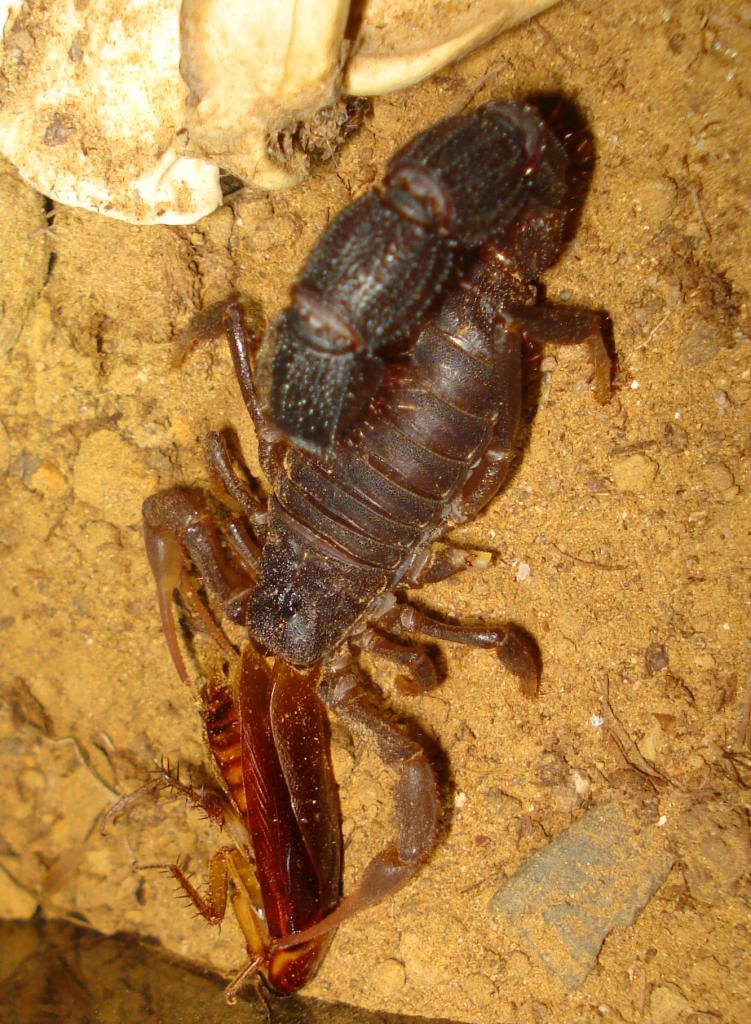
{"points": [[597, 875]]}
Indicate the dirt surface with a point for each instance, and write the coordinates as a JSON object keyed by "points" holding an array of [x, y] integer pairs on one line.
{"points": [[622, 545]]}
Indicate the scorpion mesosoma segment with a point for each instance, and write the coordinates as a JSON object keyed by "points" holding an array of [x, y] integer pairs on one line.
{"points": [[387, 258], [318, 572]]}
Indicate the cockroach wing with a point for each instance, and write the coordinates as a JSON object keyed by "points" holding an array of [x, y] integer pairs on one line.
{"points": [[289, 881], [301, 735]]}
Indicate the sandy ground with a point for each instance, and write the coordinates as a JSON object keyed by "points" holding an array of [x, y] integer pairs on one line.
{"points": [[622, 545]]}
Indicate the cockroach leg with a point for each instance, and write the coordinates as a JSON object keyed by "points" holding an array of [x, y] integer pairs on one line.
{"points": [[166, 777], [125, 802], [416, 803], [246, 974], [210, 801], [223, 867], [213, 905], [515, 649]]}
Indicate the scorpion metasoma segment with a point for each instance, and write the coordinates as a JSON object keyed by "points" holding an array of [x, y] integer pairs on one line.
{"points": [[388, 257], [319, 571]]}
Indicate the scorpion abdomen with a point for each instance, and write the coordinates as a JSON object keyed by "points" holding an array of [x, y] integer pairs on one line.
{"points": [[386, 491]]}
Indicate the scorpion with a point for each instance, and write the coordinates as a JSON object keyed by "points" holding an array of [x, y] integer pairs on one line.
{"points": [[318, 571]]}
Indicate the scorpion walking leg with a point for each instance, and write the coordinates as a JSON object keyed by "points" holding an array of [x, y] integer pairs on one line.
{"points": [[565, 325], [179, 529], [416, 799], [413, 658], [561, 325], [445, 561], [516, 651], [486, 480], [221, 462], [270, 440]]}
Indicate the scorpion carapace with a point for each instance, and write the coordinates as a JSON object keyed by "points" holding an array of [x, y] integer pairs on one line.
{"points": [[388, 258], [319, 571]]}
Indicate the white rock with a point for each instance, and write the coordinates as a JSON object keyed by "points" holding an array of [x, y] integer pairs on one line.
{"points": [[130, 108]]}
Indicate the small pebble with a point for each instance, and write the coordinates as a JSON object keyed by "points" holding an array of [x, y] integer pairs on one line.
{"points": [[699, 348], [667, 1005], [655, 658], [676, 437], [596, 876], [523, 572], [597, 485], [389, 976], [634, 473], [48, 480], [721, 397], [479, 988], [423, 968], [717, 476]]}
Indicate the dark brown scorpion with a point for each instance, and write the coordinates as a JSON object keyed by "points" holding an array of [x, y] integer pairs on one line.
{"points": [[318, 571]]}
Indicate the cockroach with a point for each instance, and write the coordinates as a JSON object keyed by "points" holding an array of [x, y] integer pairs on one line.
{"points": [[278, 809]]}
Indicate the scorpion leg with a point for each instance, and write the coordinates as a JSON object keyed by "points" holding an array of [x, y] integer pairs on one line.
{"points": [[179, 530], [445, 561], [568, 325], [242, 344], [516, 651], [414, 658], [222, 463], [486, 480], [560, 325], [416, 798]]}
